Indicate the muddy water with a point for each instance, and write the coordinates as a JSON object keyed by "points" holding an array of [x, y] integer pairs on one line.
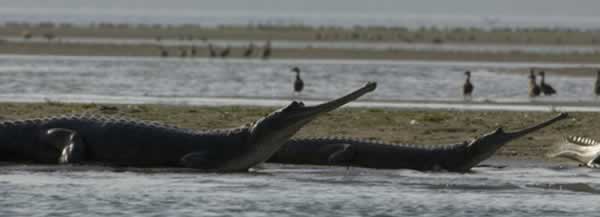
{"points": [[52, 77], [525, 190]]}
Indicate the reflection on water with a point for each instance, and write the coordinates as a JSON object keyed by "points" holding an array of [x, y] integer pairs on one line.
{"points": [[157, 77], [285, 190]]}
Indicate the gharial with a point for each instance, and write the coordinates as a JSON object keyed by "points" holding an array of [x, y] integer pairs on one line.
{"points": [[581, 149], [94, 139], [459, 157]]}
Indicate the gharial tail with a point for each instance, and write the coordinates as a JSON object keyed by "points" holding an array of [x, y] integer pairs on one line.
{"points": [[577, 148]]}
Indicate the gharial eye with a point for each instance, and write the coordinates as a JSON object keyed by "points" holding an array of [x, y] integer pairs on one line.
{"points": [[293, 105]]}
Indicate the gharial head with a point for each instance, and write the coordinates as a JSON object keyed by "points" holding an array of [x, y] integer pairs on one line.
{"points": [[276, 128], [485, 146]]}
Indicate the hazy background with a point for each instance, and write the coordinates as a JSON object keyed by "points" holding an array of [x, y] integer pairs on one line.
{"points": [[413, 13], [453, 7]]}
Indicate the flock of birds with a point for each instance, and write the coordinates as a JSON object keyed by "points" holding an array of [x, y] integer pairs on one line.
{"points": [[214, 51], [535, 89]]}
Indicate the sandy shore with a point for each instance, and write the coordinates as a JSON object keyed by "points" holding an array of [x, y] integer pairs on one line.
{"points": [[55, 47], [290, 53], [392, 125], [532, 36]]}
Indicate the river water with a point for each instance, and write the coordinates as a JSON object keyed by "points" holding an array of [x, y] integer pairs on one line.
{"points": [[515, 188], [135, 79], [522, 189]]}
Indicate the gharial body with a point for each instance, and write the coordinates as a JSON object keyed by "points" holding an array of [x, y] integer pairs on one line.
{"points": [[459, 157], [581, 149], [98, 139]]}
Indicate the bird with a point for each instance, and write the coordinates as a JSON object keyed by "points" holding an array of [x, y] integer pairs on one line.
{"points": [[248, 52], [164, 52], [298, 83], [225, 52], [534, 89], [267, 50], [467, 87], [182, 52], [546, 89], [212, 51], [597, 84], [193, 51]]}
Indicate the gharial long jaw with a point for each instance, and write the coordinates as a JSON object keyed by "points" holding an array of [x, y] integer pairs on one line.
{"points": [[269, 133], [485, 146], [581, 149]]}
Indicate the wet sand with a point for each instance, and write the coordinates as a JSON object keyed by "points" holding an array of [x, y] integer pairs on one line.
{"points": [[391, 125], [290, 53]]}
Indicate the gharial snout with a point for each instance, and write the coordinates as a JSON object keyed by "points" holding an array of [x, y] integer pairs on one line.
{"points": [[291, 118]]}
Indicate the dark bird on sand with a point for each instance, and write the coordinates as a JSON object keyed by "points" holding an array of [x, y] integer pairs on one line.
{"points": [[468, 87], [298, 83], [534, 89], [212, 51], [544, 87], [225, 52], [597, 84], [248, 52], [267, 50]]}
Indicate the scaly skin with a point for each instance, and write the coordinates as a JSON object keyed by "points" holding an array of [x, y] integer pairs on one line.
{"points": [[117, 141], [99, 139], [459, 157], [581, 149]]}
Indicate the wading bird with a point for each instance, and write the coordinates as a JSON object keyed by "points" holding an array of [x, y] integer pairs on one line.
{"points": [[248, 52], [193, 51], [545, 88], [467, 87], [597, 85], [298, 83], [164, 52], [212, 51], [534, 89], [225, 52], [267, 50]]}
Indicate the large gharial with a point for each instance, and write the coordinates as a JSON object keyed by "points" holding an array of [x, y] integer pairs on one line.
{"points": [[460, 157], [581, 149], [104, 140]]}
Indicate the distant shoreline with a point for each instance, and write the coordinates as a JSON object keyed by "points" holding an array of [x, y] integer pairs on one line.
{"points": [[291, 53], [48, 42]]}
